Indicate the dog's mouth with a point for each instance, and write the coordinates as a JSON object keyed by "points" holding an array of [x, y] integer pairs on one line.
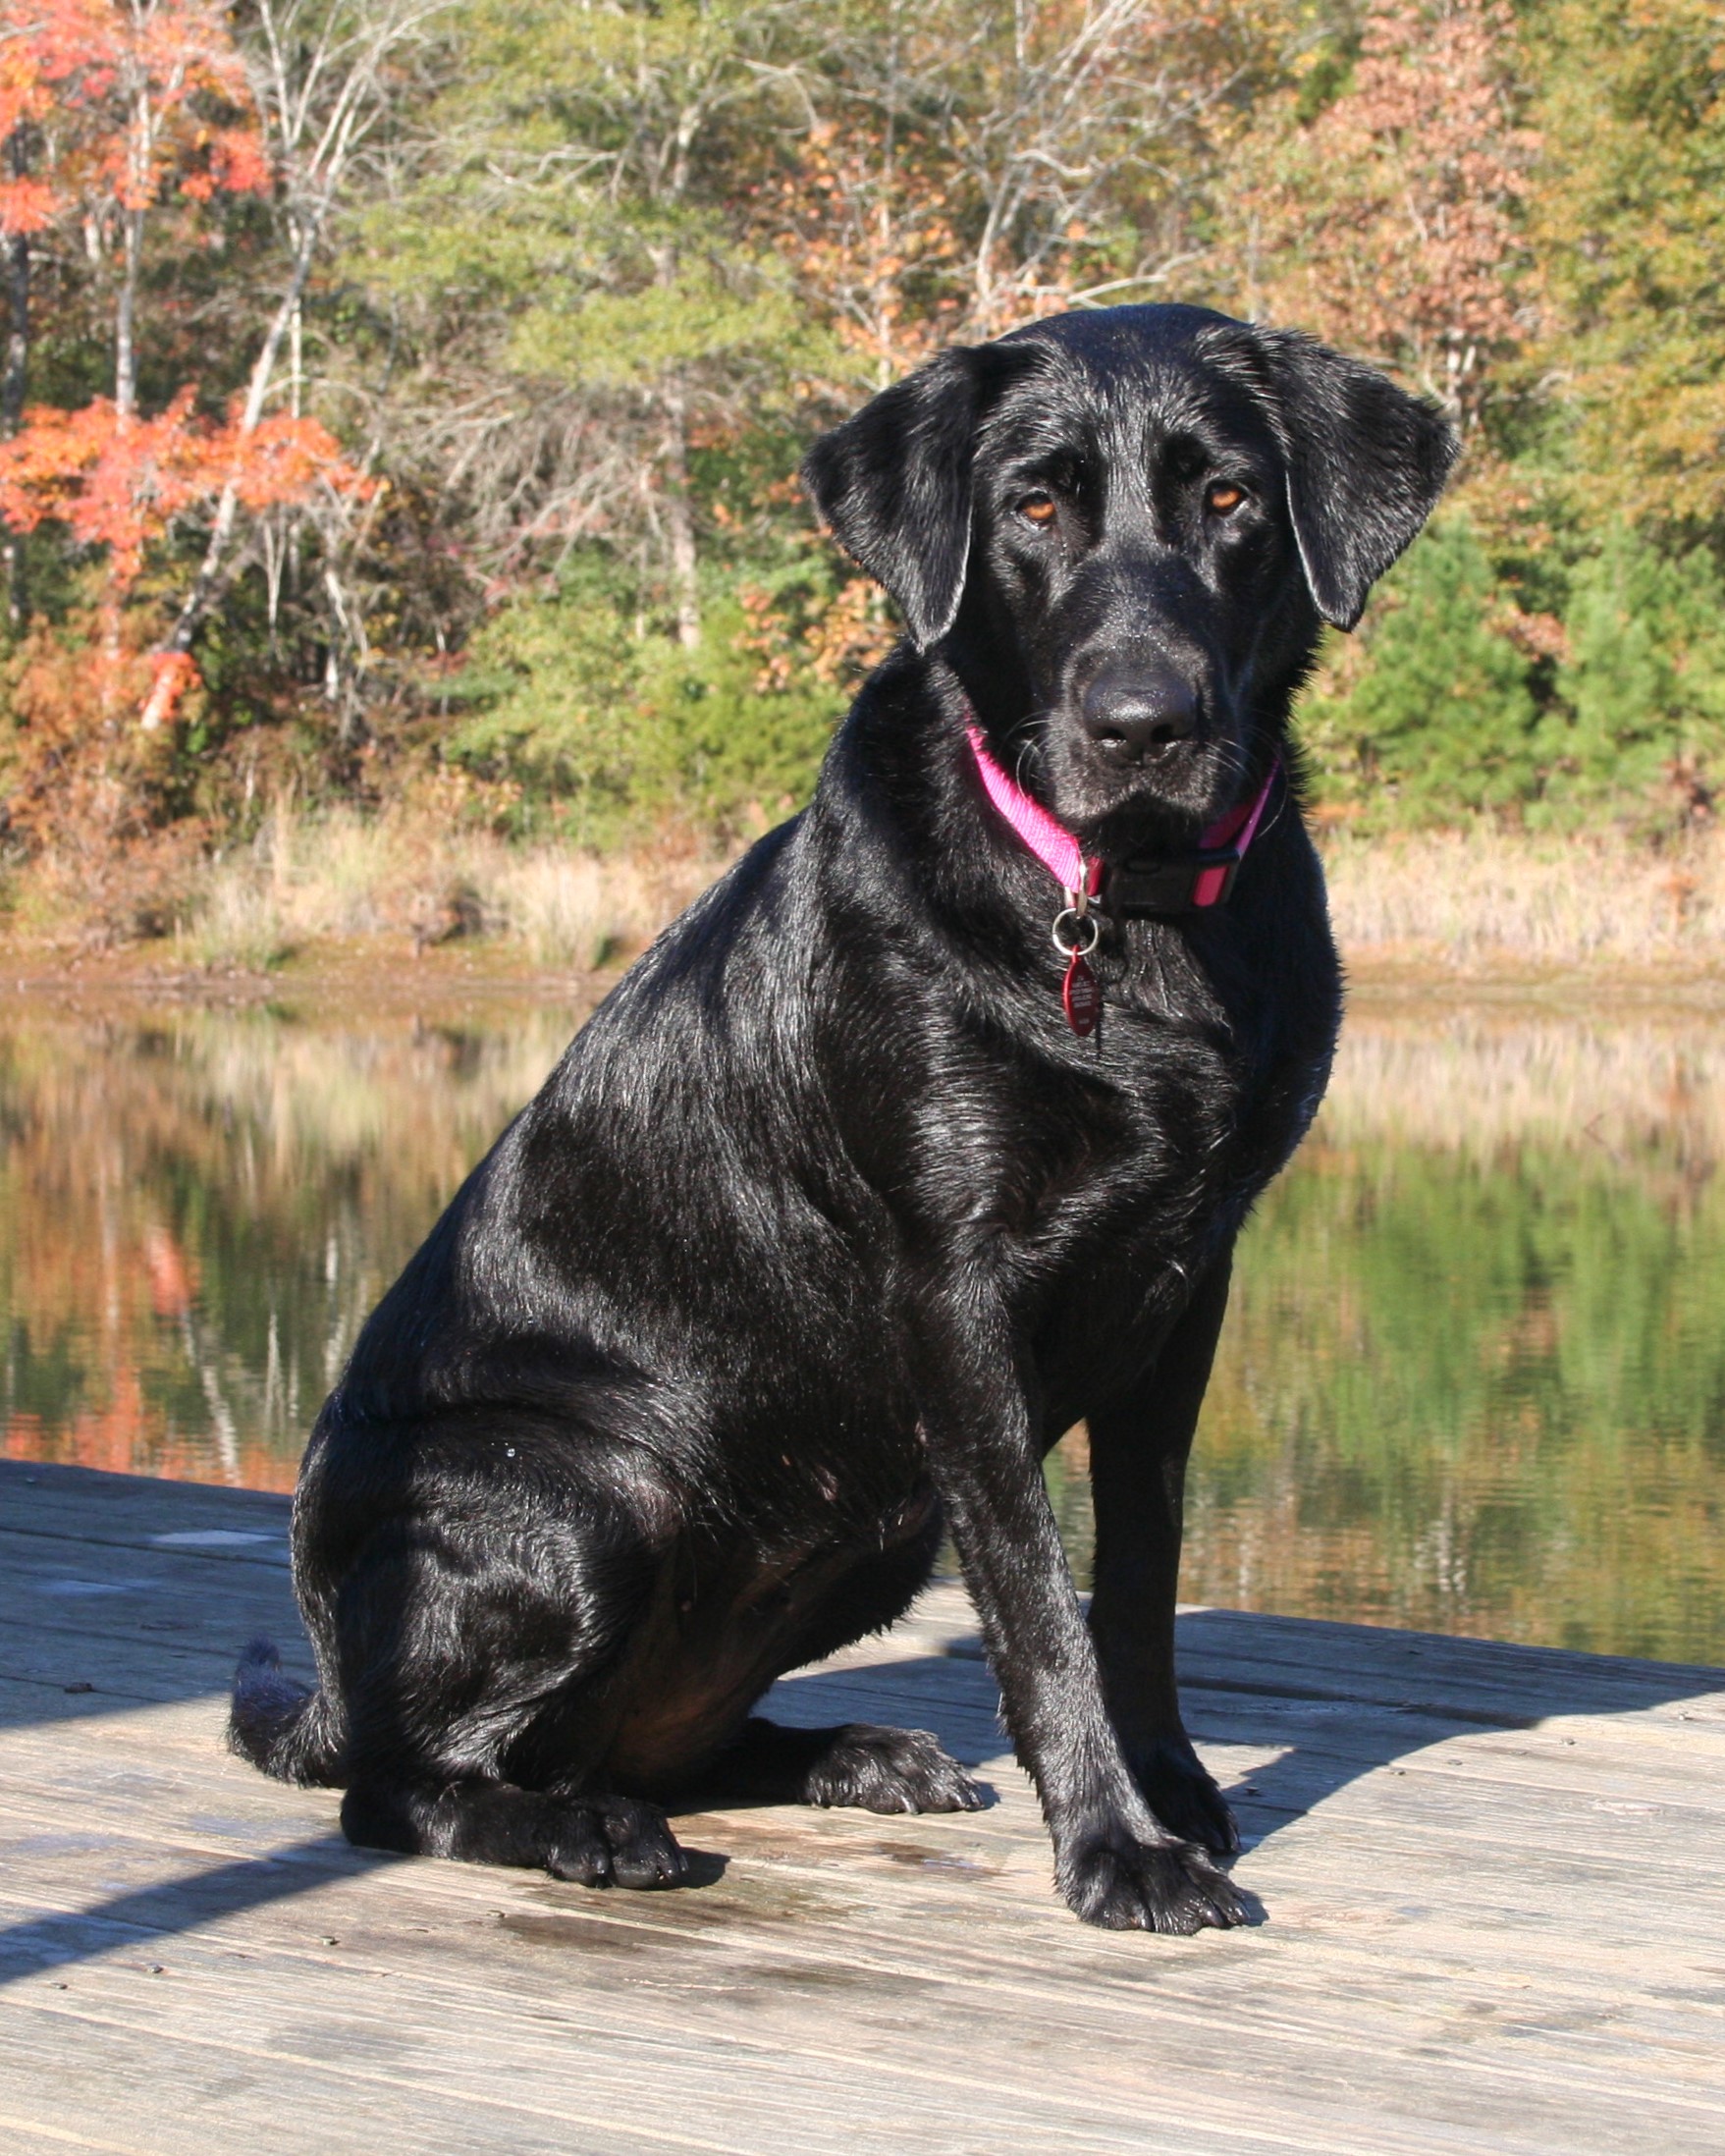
{"points": [[1119, 792]]}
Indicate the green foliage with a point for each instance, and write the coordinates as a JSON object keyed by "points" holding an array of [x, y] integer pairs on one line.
{"points": [[608, 729], [1437, 715], [1630, 102], [1641, 700], [583, 194], [1439, 718]]}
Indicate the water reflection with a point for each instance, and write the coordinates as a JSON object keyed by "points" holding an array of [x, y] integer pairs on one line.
{"points": [[1474, 1378], [197, 1212]]}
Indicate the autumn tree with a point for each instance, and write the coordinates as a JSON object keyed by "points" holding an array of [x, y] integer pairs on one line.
{"points": [[1389, 219], [569, 259], [143, 110], [151, 130], [1628, 222], [1005, 158], [323, 78]]}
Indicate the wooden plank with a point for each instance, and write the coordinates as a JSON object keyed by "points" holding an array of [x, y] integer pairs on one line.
{"points": [[942, 1872], [141, 2090], [728, 1971], [92, 1506], [818, 1921], [1492, 1907], [903, 2032], [824, 1841]]}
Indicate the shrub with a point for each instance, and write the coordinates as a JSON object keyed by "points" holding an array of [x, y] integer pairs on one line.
{"points": [[1639, 719], [608, 732], [1431, 717]]}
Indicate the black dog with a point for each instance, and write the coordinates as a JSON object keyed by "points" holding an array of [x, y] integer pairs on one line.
{"points": [[830, 1223]]}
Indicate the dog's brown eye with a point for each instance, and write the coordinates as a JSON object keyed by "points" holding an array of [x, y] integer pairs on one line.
{"points": [[1037, 508], [1224, 500]]}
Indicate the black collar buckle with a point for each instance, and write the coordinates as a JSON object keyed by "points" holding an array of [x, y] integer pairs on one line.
{"points": [[1139, 890]]}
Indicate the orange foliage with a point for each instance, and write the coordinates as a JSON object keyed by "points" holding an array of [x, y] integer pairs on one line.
{"points": [[874, 235], [1391, 225], [26, 205], [237, 165], [119, 481], [145, 100], [77, 783], [837, 638], [51, 51], [125, 84]]}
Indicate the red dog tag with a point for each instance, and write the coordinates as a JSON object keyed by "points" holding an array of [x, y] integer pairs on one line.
{"points": [[1081, 996]]}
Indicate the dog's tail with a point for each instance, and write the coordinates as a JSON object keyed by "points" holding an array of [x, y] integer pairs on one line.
{"points": [[279, 1725]]}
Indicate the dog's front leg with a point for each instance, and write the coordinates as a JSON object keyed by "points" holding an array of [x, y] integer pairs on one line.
{"points": [[1138, 1448], [1116, 1863]]}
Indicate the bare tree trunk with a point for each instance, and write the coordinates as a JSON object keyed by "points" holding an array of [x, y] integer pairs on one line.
{"points": [[126, 404], [680, 517], [139, 178], [137, 157], [673, 403], [124, 319], [318, 172], [16, 375], [208, 578]]}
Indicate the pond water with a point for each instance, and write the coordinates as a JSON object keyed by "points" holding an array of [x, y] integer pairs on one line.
{"points": [[1472, 1378]]}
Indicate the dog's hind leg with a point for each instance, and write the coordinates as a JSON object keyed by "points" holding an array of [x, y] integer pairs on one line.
{"points": [[480, 1664], [694, 1733], [857, 1763]]}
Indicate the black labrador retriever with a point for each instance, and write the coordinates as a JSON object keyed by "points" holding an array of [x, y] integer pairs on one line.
{"points": [[845, 1205]]}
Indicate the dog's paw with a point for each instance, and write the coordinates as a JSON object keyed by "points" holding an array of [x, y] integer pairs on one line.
{"points": [[1114, 1880], [891, 1770], [1184, 1797], [615, 1840]]}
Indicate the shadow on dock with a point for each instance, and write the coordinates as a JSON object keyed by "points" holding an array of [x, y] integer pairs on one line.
{"points": [[120, 1594], [151, 1914]]}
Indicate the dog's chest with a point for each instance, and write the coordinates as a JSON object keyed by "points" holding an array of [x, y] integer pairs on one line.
{"points": [[1140, 1182]]}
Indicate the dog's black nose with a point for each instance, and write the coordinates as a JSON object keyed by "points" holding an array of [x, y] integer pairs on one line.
{"points": [[1128, 714]]}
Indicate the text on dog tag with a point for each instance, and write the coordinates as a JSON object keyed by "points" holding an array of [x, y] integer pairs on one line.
{"points": [[1081, 996]]}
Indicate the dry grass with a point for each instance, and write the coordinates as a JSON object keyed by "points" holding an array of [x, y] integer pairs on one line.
{"points": [[1488, 898], [311, 879], [1466, 902]]}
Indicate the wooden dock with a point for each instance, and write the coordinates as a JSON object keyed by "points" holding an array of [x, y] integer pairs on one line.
{"points": [[1493, 1877]]}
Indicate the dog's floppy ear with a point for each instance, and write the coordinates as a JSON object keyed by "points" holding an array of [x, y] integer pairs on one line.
{"points": [[1366, 465], [893, 482]]}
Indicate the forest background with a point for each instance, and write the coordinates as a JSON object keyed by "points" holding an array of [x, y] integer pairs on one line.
{"points": [[400, 404]]}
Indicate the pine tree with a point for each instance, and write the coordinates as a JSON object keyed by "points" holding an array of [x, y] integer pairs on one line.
{"points": [[1438, 723], [1640, 716]]}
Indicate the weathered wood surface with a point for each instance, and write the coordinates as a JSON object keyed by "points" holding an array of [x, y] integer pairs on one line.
{"points": [[1491, 1878]]}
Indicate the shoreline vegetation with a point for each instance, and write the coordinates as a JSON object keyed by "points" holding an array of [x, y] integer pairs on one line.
{"points": [[325, 897], [400, 538]]}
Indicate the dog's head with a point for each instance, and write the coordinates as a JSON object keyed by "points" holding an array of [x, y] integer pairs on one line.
{"points": [[1124, 528]]}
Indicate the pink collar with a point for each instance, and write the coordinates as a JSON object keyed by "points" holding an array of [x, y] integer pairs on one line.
{"points": [[1061, 855], [1052, 843]]}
